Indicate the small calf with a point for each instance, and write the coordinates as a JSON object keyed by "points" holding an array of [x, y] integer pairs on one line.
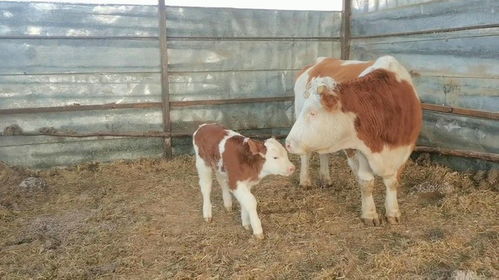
{"points": [[239, 163]]}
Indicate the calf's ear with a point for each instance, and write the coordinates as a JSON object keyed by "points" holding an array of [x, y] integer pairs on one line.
{"points": [[256, 147]]}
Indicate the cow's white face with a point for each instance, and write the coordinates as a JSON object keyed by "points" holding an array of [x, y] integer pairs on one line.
{"points": [[276, 159], [321, 126]]}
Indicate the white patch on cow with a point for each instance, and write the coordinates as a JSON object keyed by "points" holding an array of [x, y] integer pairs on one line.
{"points": [[388, 161], [327, 81], [389, 63], [276, 160], [348, 62]]}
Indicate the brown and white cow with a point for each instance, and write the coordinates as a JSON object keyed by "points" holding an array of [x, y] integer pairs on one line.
{"points": [[369, 109], [239, 163]]}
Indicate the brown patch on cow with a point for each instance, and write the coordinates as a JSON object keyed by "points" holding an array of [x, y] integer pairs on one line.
{"points": [[303, 71], [330, 101], [331, 67], [207, 139], [388, 111], [240, 161]]}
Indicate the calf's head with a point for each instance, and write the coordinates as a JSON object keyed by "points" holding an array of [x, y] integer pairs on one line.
{"points": [[321, 126], [276, 157]]}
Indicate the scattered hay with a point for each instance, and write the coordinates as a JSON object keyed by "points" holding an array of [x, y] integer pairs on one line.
{"points": [[142, 220]]}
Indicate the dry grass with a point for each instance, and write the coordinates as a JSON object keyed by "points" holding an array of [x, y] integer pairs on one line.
{"points": [[142, 220]]}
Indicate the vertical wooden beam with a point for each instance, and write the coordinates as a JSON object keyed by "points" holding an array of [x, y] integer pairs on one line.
{"points": [[165, 91], [345, 35]]}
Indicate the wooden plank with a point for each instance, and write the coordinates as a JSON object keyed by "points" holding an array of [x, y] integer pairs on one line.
{"points": [[230, 101], [461, 111], [77, 108], [165, 94], [345, 33], [459, 153]]}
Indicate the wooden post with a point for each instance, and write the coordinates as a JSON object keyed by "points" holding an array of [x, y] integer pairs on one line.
{"points": [[165, 92], [345, 29]]}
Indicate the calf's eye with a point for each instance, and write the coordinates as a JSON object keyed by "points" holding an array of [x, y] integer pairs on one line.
{"points": [[275, 157]]}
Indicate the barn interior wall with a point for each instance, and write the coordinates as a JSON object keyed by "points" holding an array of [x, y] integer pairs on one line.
{"points": [[213, 53], [457, 67]]}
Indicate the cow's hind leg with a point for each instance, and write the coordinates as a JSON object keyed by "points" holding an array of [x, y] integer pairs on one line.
{"points": [[391, 203], [304, 171], [360, 166], [227, 198], [324, 176], [205, 182]]}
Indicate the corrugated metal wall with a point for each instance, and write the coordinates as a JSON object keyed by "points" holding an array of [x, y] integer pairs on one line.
{"points": [[455, 68], [114, 58]]}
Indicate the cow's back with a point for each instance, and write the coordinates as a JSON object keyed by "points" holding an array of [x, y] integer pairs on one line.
{"points": [[207, 139], [339, 70]]}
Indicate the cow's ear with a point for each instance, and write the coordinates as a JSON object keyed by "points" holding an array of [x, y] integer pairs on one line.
{"points": [[329, 101], [256, 147]]}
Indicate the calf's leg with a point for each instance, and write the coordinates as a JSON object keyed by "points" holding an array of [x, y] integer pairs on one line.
{"points": [[248, 204], [205, 181], [227, 198]]}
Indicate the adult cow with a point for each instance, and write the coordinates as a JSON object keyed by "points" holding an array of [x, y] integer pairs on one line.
{"points": [[369, 109]]}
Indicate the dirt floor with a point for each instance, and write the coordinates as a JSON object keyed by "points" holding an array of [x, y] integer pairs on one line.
{"points": [[142, 220]]}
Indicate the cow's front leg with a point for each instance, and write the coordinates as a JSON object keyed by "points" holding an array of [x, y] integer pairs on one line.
{"points": [[248, 202], [304, 171], [324, 176], [391, 203]]}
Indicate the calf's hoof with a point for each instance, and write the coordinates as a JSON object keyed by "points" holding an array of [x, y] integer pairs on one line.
{"points": [[246, 227], [208, 219], [325, 184], [393, 220], [375, 221], [228, 208], [305, 183], [259, 236]]}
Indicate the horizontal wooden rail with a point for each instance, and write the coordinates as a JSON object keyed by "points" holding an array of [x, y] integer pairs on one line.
{"points": [[179, 38], [147, 105], [443, 151], [461, 111], [459, 153]]}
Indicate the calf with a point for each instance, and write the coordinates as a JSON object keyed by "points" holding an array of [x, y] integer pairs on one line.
{"points": [[369, 109], [239, 163]]}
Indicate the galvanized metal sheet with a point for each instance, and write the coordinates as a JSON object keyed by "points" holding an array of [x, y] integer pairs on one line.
{"points": [[231, 84], [63, 19], [468, 92], [24, 91], [61, 55], [190, 56], [465, 53], [216, 22], [458, 132], [393, 18], [234, 116], [88, 121], [82, 150]]}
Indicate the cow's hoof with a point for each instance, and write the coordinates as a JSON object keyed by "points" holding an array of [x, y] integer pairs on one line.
{"points": [[208, 219], [306, 183], [393, 220], [246, 227], [372, 221], [259, 236], [325, 184], [228, 208]]}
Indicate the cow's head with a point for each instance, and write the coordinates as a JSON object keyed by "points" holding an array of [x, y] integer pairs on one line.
{"points": [[276, 158], [321, 126]]}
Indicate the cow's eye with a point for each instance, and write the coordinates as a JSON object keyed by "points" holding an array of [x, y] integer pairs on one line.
{"points": [[275, 157], [312, 113]]}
